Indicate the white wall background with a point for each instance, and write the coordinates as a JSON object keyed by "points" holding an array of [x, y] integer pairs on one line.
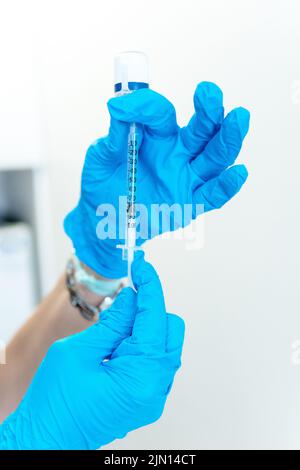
{"points": [[239, 295]]}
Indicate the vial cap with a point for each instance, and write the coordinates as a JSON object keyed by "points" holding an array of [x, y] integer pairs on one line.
{"points": [[131, 71]]}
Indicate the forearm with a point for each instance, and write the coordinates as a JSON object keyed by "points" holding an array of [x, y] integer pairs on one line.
{"points": [[54, 318]]}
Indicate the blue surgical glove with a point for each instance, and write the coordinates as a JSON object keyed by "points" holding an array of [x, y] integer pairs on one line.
{"points": [[100, 384], [189, 165]]}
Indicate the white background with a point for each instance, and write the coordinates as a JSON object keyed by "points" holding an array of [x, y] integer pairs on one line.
{"points": [[239, 295]]}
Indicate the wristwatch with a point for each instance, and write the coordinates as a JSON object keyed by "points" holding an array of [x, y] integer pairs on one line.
{"points": [[75, 277]]}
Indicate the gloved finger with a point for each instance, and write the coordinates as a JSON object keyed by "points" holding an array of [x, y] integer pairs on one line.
{"points": [[149, 329], [217, 191], [146, 107], [208, 117], [172, 357], [225, 146], [117, 137], [175, 337], [113, 148], [115, 324]]}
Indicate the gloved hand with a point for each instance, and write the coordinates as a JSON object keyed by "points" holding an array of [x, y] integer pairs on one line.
{"points": [[191, 165], [78, 400]]}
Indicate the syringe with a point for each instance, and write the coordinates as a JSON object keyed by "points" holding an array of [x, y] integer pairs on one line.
{"points": [[131, 73]]}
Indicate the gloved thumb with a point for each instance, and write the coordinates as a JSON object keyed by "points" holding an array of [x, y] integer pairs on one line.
{"points": [[100, 340], [120, 316]]}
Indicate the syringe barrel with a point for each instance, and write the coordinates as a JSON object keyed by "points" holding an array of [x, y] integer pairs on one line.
{"points": [[131, 73]]}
